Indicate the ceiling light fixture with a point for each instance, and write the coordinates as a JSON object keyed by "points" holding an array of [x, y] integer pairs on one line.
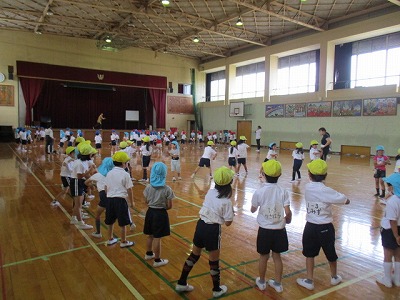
{"points": [[165, 2], [239, 22], [196, 39], [108, 39]]}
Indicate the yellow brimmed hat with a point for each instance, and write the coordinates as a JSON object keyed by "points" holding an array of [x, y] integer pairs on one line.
{"points": [[129, 143], [314, 142], [318, 167], [121, 157], [210, 143], [84, 149], [93, 150], [146, 139], [299, 145], [123, 145], [69, 150], [243, 138], [79, 140], [272, 168], [223, 176], [89, 142], [233, 143]]}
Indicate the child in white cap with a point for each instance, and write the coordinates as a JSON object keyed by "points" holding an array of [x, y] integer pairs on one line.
{"points": [[156, 223], [319, 231], [273, 215], [390, 233], [216, 210]]}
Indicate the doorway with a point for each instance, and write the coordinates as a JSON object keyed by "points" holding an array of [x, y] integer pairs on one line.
{"points": [[244, 128]]}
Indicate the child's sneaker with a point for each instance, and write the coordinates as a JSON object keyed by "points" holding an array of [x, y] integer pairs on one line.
{"points": [[306, 283], [277, 286], [261, 285], [149, 257], [73, 221], [292, 180], [82, 225], [173, 179], [126, 244], [376, 195], [133, 227], [223, 290], [336, 280], [184, 288], [142, 180], [384, 281], [86, 205], [97, 235], [85, 217], [54, 203], [112, 241], [179, 178], [161, 263], [382, 201]]}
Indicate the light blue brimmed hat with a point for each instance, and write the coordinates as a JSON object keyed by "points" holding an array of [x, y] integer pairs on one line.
{"points": [[158, 174]]}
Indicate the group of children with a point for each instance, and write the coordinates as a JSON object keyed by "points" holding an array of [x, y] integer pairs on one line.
{"points": [[272, 202]]}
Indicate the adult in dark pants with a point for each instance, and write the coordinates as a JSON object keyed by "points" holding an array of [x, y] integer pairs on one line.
{"points": [[326, 142], [258, 138], [49, 139]]}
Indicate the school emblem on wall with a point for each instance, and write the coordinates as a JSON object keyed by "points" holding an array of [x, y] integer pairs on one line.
{"points": [[100, 76]]}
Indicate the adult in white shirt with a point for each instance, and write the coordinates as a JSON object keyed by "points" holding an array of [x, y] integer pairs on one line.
{"points": [[258, 138]]}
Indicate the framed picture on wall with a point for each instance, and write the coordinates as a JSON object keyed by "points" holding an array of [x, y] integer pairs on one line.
{"points": [[6, 95], [275, 111], [380, 107], [295, 110], [347, 108], [319, 109]]}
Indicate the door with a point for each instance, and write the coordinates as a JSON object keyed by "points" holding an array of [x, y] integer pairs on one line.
{"points": [[244, 128]]}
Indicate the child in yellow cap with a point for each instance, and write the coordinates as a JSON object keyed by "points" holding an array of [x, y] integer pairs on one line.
{"points": [[65, 174], [120, 196], [298, 157], [232, 157], [80, 171], [205, 160], [273, 215], [314, 152], [216, 210], [319, 231], [242, 153]]}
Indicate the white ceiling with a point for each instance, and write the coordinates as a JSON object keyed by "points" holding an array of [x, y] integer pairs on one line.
{"points": [[148, 24]]}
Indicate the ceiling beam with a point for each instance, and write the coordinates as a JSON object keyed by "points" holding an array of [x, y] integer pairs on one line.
{"points": [[150, 13], [44, 14], [268, 12], [396, 2]]}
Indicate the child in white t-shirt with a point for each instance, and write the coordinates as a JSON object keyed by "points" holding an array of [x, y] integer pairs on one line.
{"points": [[390, 233], [298, 157], [273, 215], [319, 231], [205, 160], [314, 152], [175, 160]]}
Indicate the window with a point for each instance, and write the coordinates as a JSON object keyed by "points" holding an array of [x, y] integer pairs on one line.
{"points": [[376, 61], [250, 81], [185, 89], [297, 73], [215, 87]]}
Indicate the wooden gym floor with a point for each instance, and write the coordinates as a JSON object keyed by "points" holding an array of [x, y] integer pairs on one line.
{"points": [[42, 256]]}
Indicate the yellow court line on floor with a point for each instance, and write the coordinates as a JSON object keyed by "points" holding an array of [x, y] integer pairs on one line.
{"points": [[121, 277], [341, 286]]}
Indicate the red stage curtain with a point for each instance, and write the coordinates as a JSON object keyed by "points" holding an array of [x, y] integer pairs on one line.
{"points": [[31, 89], [159, 99], [79, 108]]}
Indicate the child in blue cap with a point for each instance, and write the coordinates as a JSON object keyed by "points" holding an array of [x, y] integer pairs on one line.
{"points": [[390, 233], [156, 223]]}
